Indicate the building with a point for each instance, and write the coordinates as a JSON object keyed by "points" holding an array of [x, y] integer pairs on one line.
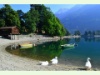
{"points": [[9, 31]]}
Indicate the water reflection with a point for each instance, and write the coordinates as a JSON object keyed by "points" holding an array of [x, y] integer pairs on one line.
{"points": [[89, 39], [44, 52], [77, 39], [75, 56], [67, 48], [14, 46]]}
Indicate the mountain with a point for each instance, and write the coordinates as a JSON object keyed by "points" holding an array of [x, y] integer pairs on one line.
{"points": [[81, 17], [61, 12]]}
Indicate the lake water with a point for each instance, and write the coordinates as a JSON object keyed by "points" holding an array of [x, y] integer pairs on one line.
{"points": [[88, 47]]}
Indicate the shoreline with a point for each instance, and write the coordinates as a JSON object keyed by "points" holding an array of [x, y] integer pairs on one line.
{"points": [[12, 62]]}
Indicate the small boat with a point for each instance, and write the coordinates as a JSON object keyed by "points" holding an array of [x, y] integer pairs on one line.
{"points": [[68, 45], [26, 45]]}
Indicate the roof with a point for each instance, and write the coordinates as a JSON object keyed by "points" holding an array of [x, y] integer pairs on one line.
{"points": [[9, 30], [8, 27]]}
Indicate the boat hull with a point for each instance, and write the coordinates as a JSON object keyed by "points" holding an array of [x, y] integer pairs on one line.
{"points": [[26, 45], [68, 45]]}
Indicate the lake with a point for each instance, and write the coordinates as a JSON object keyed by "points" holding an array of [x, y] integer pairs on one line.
{"points": [[76, 56]]}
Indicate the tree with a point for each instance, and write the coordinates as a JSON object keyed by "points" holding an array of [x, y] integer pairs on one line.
{"points": [[39, 18], [89, 33], [31, 20], [86, 33], [93, 33], [42, 10], [97, 32], [9, 16], [48, 22], [2, 23], [77, 33], [22, 21]]}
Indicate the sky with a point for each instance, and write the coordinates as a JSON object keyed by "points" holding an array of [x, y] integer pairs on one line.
{"points": [[54, 7], [57, 7]]}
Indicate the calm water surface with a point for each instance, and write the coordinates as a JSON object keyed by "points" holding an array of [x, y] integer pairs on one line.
{"points": [[88, 47]]}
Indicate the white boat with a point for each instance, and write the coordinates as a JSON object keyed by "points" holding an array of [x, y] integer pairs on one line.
{"points": [[68, 45]]}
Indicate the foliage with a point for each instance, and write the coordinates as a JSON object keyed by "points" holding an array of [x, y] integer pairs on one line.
{"points": [[92, 33], [22, 22], [31, 19], [38, 19], [9, 17], [44, 52], [2, 22], [77, 33], [50, 24]]}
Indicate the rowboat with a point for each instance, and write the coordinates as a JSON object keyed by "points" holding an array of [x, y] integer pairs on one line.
{"points": [[68, 45], [26, 45]]}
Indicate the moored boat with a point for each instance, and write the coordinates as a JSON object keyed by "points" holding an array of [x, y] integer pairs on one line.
{"points": [[68, 45], [26, 45]]}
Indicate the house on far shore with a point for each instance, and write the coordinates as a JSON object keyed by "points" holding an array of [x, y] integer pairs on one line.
{"points": [[11, 32]]}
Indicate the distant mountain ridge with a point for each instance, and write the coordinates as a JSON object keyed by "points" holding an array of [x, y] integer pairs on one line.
{"points": [[60, 13], [81, 17]]}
